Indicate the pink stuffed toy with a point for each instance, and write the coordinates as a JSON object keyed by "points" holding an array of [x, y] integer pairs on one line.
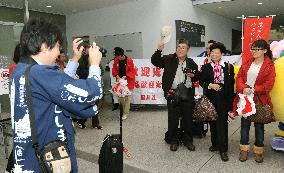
{"points": [[277, 48]]}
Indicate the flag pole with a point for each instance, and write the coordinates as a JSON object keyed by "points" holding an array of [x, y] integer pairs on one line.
{"points": [[243, 19]]}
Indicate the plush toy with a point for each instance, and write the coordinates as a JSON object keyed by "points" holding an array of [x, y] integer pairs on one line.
{"points": [[277, 94], [277, 48], [236, 71]]}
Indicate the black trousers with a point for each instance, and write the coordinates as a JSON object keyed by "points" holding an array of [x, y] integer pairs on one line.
{"points": [[184, 110], [219, 128], [10, 163], [95, 121]]}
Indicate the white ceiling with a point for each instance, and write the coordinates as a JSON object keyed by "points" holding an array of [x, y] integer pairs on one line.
{"points": [[230, 9], [235, 8], [63, 6]]}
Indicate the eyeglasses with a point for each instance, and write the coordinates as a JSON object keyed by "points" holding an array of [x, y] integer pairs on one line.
{"points": [[255, 49]]}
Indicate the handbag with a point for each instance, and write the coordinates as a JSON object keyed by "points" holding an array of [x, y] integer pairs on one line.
{"points": [[182, 93], [263, 115], [55, 156], [204, 110]]}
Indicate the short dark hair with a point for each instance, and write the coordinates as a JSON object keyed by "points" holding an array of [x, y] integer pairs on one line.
{"points": [[219, 46], [37, 32], [211, 41], [17, 53], [264, 45], [118, 51], [184, 41]]}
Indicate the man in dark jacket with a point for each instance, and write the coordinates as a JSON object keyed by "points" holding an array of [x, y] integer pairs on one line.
{"points": [[178, 68]]}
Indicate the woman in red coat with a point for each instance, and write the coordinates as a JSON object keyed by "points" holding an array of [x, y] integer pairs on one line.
{"points": [[256, 76], [123, 67]]}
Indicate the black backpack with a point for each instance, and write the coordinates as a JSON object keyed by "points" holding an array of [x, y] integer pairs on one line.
{"points": [[111, 153]]}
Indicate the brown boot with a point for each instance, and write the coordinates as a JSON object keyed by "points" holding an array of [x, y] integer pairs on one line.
{"points": [[258, 151], [244, 149]]}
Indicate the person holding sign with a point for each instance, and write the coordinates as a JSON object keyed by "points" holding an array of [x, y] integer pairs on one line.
{"points": [[179, 74]]}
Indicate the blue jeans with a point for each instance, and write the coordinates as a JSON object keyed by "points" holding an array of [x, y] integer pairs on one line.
{"points": [[259, 133]]}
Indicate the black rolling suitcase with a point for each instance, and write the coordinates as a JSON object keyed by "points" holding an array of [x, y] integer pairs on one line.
{"points": [[111, 153], [199, 129]]}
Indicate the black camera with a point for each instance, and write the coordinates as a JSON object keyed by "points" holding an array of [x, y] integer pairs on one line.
{"points": [[102, 50], [188, 70]]}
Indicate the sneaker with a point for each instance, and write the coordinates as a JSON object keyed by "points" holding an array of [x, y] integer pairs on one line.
{"points": [[81, 126], [124, 117]]}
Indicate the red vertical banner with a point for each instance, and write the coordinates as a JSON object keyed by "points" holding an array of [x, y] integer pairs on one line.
{"points": [[255, 29]]}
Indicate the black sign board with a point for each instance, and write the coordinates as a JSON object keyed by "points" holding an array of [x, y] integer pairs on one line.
{"points": [[192, 32]]}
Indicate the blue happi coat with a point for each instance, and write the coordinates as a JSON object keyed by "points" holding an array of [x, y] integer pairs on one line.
{"points": [[56, 97]]}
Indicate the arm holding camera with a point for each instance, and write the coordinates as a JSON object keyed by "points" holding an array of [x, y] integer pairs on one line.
{"points": [[77, 53], [73, 64], [95, 57]]}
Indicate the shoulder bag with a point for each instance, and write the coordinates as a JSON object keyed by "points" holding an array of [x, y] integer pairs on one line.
{"points": [[264, 113], [55, 156]]}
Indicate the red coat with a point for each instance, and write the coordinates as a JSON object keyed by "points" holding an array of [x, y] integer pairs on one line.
{"points": [[263, 84], [130, 71]]}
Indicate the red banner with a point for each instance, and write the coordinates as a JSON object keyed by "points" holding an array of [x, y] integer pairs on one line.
{"points": [[255, 29]]}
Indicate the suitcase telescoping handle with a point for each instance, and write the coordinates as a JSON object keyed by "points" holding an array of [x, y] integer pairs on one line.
{"points": [[120, 120]]}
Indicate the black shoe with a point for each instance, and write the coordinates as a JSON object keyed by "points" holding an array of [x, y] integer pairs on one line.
{"points": [[224, 156], [115, 106], [190, 146], [81, 126], [213, 148], [174, 147], [98, 127]]}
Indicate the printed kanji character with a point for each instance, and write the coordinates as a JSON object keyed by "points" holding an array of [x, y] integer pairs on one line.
{"points": [[143, 84], [156, 72], [145, 71], [151, 84]]}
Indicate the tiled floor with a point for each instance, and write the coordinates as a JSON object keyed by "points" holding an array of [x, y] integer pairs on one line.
{"points": [[143, 134]]}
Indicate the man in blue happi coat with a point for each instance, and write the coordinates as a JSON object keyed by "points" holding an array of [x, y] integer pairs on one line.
{"points": [[56, 96]]}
